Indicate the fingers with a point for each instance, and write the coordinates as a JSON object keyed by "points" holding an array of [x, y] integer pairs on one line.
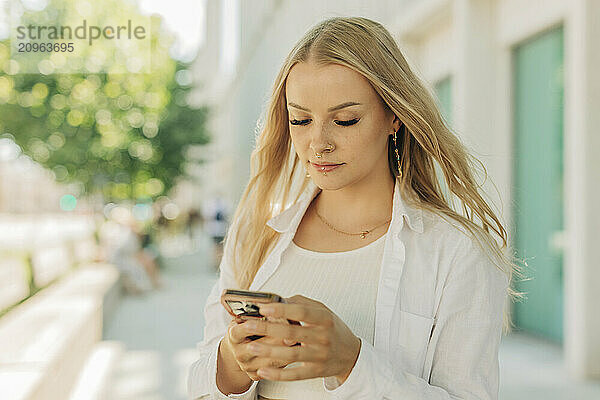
{"points": [[250, 357], [304, 371], [239, 331], [295, 333], [298, 298], [287, 354], [253, 365], [271, 341], [232, 332], [276, 336], [239, 335], [310, 312], [250, 363]]}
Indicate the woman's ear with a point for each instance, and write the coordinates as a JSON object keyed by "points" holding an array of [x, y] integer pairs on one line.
{"points": [[397, 124]]}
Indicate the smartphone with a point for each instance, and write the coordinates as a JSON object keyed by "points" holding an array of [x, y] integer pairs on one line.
{"points": [[246, 304]]}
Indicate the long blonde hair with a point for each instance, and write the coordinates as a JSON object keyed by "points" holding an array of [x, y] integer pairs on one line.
{"points": [[366, 47]]}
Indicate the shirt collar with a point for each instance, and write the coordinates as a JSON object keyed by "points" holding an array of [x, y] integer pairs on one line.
{"points": [[291, 216]]}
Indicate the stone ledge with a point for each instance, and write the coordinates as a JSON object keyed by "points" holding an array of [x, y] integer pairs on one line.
{"points": [[45, 341]]}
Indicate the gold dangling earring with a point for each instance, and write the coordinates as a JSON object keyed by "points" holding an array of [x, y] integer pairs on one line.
{"points": [[397, 155]]}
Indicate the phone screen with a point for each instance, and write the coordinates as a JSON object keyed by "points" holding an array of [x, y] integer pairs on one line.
{"points": [[243, 308]]}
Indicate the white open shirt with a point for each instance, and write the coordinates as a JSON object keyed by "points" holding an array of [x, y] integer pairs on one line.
{"points": [[438, 320]]}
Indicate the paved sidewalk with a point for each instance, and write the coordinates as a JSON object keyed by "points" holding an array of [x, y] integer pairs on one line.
{"points": [[533, 368], [159, 332]]}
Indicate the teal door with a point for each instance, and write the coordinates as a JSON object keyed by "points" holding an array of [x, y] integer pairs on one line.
{"points": [[443, 91], [538, 177]]}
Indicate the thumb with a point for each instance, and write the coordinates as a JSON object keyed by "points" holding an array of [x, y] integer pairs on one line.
{"points": [[298, 298]]}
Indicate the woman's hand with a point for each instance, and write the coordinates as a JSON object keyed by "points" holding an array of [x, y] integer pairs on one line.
{"points": [[237, 344], [328, 347]]}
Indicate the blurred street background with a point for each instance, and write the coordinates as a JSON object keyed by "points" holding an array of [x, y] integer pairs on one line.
{"points": [[121, 165]]}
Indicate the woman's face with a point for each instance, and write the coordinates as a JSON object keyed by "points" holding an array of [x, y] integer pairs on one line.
{"points": [[334, 104]]}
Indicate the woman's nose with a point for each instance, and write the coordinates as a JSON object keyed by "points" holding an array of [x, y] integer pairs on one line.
{"points": [[319, 137]]}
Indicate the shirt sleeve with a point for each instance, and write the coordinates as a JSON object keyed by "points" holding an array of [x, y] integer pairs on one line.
{"points": [[464, 342], [202, 374]]}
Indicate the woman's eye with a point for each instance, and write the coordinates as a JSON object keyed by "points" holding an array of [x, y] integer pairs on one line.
{"points": [[297, 122], [342, 123], [347, 123]]}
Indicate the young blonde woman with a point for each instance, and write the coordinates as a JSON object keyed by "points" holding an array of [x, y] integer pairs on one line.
{"points": [[398, 295]]}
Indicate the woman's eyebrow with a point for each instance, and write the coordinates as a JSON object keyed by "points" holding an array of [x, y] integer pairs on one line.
{"points": [[330, 109]]}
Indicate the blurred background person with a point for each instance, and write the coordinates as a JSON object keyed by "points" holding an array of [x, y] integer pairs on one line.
{"points": [[194, 225], [122, 239], [216, 211]]}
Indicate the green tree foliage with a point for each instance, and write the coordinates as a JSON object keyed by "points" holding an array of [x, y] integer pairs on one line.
{"points": [[123, 135]]}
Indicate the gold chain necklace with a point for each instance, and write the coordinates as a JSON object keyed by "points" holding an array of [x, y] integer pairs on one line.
{"points": [[362, 234]]}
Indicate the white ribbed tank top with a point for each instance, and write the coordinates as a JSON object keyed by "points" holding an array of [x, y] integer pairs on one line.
{"points": [[346, 282]]}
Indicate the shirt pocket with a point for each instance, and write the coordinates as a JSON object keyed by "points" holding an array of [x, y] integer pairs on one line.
{"points": [[410, 334]]}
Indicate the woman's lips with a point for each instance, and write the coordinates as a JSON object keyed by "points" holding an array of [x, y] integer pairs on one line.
{"points": [[325, 168]]}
